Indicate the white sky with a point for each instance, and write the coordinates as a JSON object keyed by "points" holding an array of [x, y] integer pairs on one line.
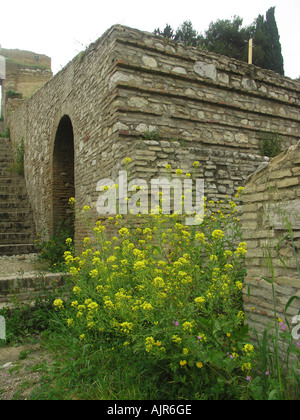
{"points": [[62, 28]]}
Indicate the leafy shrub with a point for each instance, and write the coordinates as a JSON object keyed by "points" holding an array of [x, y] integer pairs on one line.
{"points": [[270, 144], [52, 250], [167, 298]]}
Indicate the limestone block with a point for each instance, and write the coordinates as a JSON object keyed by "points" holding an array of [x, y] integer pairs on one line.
{"points": [[137, 102], [179, 70], [206, 70], [149, 61], [249, 84]]}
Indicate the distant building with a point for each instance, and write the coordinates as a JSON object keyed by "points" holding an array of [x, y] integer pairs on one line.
{"points": [[22, 73]]}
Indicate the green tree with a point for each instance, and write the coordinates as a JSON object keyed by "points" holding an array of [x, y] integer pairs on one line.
{"points": [[186, 34], [267, 48], [168, 32], [228, 37], [231, 38]]}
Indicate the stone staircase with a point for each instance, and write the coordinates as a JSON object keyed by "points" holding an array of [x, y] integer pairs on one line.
{"points": [[17, 230]]}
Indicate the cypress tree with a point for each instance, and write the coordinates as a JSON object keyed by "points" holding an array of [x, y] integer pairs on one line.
{"points": [[267, 47]]}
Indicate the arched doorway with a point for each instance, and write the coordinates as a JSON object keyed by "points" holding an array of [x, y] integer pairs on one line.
{"points": [[63, 187]]}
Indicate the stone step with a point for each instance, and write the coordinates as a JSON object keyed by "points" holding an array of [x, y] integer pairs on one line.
{"points": [[17, 231], [6, 173], [4, 143], [12, 179], [5, 159], [26, 287], [5, 205], [12, 188], [5, 149], [16, 238], [22, 215], [17, 249], [12, 197], [10, 226]]}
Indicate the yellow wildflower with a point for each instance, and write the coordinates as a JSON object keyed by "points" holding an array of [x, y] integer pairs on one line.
{"points": [[218, 234], [139, 265], [111, 259], [176, 339], [124, 231], [200, 300], [187, 326], [248, 348], [126, 327], [76, 290], [239, 285], [58, 303], [246, 367], [200, 237]]}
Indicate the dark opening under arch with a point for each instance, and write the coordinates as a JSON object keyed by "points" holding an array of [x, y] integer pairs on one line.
{"points": [[63, 187]]}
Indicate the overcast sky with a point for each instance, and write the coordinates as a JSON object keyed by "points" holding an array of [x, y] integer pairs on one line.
{"points": [[62, 28]]}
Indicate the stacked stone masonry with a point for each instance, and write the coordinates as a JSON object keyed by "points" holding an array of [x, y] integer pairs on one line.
{"points": [[271, 218], [130, 83]]}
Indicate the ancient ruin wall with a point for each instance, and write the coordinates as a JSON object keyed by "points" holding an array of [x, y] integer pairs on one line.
{"points": [[130, 84], [271, 224]]}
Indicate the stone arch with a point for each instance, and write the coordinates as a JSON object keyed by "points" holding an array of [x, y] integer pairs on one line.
{"points": [[63, 175]]}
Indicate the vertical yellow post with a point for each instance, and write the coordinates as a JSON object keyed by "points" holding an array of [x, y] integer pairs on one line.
{"points": [[250, 55]]}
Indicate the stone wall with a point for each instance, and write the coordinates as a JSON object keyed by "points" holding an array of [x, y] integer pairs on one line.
{"points": [[271, 218], [133, 94], [25, 73]]}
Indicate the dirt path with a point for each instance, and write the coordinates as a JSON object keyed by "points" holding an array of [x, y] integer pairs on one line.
{"points": [[21, 367], [20, 370]]}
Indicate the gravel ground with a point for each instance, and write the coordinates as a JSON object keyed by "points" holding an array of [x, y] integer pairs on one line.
{"points": [[20, 370]]}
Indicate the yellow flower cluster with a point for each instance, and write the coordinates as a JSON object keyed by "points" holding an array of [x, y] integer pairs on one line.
{"points": [[200, 300], [126, 327], [218, 234], [58, 304], [151, 344], [241, 249], [159, 279], [248, 348]]}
